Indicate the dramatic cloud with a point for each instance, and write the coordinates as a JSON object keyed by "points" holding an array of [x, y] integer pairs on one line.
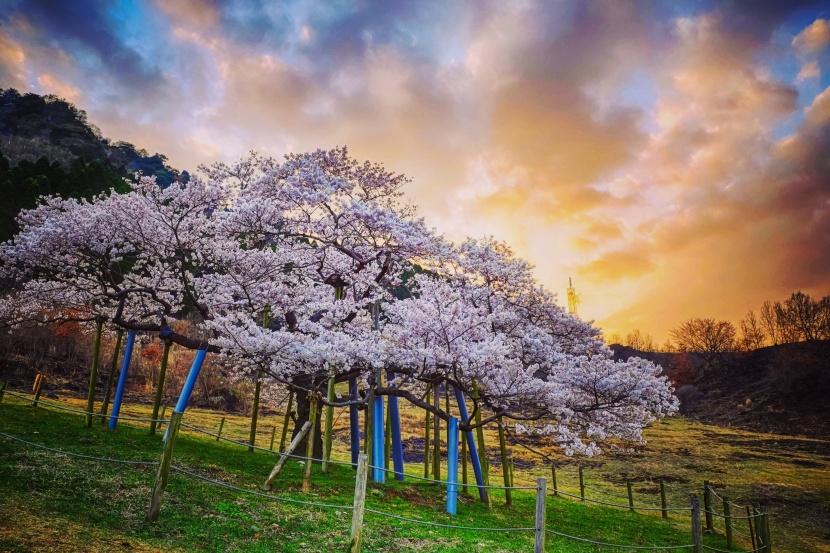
{"points": [[671, 157]]}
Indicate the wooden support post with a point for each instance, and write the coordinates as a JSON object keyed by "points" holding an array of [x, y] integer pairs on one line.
{"points": [[464, 462], [286, 419], [707, 507], [426, 433], [309, 447], [484, 462], [255, 412], [93, 373], [163, 412], [510, 462], [221, 425], [160, 386], [505, 468], [329, 425], [111, 377], [284, 457], [553, 474], [541, 496], [697, 530], [581, 484], [359, 503], [663, 499], [273, 437], [727, 520], [164, 467], [2, 389], [436, 436], [630, 496], [751, 528], [40, 382]]}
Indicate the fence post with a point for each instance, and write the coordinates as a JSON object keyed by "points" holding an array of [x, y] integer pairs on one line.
{"points": [[581, 484], [751, 529], [630, 496], [304, 431], [359, 503], [759, 533], [452, 466], [663, 499], [427, 424], [707, 506], [765, 515], [40, 379], [727, 519], [221, 425], [697, 531], [309, 447], [164, 467], [541, 496], [553, 474], [93, 373], [2, 389], [273, 436]]}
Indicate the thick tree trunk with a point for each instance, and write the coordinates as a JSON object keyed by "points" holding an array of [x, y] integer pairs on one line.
{"points": [[303, 405]]}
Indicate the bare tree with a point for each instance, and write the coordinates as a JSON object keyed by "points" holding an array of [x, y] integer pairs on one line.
{"points": [[752, 332], [641, 341], [707, 338], [769, 322]]}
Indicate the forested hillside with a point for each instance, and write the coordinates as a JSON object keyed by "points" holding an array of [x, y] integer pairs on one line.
{"points": [[47, 146]]}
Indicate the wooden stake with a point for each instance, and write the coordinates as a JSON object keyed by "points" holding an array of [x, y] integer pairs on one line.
{"points": [[164, 467], [221, 425], [356, 531], [436, 437], [40, 383], [160, 386], [329, 425], [111, 377], [697, 531], [630, 496], [309, 446], [482, 451], [751, 529], [2, 389], [505, 467], [541, 496], [581, 485], [553, 473], [93, 374], [255, 413], [727, 517], [663, 499], [426, 433], [707, 506], [284, 457]]}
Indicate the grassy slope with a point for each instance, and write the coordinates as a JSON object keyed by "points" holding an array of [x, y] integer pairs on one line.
{"points": [[52, 501]]}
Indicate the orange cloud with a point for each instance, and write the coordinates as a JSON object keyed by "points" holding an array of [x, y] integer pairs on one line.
{"points": [[813, 38]]}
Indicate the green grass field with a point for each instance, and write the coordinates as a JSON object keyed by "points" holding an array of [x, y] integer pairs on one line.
{"points": [[55, 502]]}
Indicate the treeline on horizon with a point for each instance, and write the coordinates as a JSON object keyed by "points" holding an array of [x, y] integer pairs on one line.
{"points": [[47, 146], [799, 318]]}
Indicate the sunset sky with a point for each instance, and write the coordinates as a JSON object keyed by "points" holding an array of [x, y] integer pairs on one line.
{"points": [[672, 157]]}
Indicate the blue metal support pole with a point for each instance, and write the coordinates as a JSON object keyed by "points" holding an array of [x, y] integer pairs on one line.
{"points": [[452, 465], [471, 443], [354, 422], [378, 474], [187, 389], [122, 380], [397, 445]]}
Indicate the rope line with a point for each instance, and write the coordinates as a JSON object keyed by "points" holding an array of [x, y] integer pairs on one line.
{"points": [[260, 494], [81, 455], [725, 551], [641, 547], [732, 516], [440, 525], [99, 415], [560, 492]]}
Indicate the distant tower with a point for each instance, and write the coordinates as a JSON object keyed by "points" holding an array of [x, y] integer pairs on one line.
{"points": [[573, 299]]}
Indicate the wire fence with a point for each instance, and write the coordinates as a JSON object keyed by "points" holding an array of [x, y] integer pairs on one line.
{"points": [[269, 496]]}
